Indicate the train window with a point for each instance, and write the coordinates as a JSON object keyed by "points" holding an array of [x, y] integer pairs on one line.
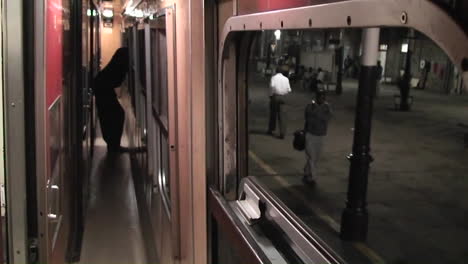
{"points": [[159, 62], [165, 180], [308, 81], [159, 102]]}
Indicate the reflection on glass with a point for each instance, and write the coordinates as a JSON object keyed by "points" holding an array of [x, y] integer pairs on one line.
{"points": [[159, 99], [141, 55], [417, 176], [159, 60], [165, 177]]}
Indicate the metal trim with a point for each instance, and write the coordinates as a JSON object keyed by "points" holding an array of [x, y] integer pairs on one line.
{"points": [[41, 117], [174, 138], [228, 140], [15, 145], [149, 123], [234, 229], [296, 223], [417, 14], [242, 104]]}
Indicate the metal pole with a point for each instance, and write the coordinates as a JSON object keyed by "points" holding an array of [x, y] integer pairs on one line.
{"points": [[339, 75], [355, 218], [339, 53]]}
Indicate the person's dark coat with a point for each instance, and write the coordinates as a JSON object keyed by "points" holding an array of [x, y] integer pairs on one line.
{"points": [[110, 112]]}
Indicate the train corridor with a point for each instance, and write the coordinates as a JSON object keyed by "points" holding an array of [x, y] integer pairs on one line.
{"points": [[112, 232]]}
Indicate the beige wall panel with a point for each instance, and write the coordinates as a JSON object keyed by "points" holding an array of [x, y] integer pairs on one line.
{"points": [[111, 40], [198, 131], [225, 11]]}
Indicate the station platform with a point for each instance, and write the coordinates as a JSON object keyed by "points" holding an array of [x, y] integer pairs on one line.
{"points": [[417, 184]]}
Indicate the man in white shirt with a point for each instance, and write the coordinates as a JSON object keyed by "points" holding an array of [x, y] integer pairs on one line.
{"points": [[321, 76], [279, 87]]}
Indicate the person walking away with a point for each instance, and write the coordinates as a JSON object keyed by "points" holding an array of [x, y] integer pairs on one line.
{"points": [[378, 76], [279, 88], [300, 75], [348, 62], [110, 112], [317, 115], [307, 79], [313, 85]]}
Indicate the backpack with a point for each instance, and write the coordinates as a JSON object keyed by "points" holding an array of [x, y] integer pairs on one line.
{"points": [[299, 140]]}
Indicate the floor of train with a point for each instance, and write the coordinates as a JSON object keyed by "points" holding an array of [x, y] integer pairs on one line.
{"points": [[417, 187], [112, 229]]}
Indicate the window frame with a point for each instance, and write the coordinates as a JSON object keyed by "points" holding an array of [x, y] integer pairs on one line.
{"points": [[232, 73]]}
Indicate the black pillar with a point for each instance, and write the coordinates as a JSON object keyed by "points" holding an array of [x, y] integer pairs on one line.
{"points": [[339, 76], [405, 84], [355, 217], [268, 58]]}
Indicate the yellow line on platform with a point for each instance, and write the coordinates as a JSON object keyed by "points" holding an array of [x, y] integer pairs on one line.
{"points": [[361, 247]]}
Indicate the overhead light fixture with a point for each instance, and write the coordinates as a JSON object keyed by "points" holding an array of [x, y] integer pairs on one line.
{"points": [[404, 48], [108, 13], [278, 34]]}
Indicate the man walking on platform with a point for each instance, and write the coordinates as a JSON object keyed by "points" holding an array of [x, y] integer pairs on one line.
{"points": [[279, 87], [317, 115]]}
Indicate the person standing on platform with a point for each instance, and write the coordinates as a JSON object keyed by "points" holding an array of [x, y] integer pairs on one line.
{"points": [[307, 79], [110, 112], [279, 88], [348, 63], [378, 75], [317, 115]]}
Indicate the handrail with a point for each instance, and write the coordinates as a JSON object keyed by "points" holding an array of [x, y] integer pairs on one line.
{"points": [[226, 221]]}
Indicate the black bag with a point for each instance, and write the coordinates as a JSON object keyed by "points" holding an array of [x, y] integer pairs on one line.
{"points": [[299, 140]]}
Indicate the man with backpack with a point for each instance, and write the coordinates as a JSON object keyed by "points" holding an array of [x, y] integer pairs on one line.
{"points": [[317, 115]]}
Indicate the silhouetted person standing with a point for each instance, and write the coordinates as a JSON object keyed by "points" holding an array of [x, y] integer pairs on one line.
{"points": [[110, 112], [378, 76]]}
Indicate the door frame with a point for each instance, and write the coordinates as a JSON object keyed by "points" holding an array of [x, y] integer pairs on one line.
{"points": [[15, 143]]}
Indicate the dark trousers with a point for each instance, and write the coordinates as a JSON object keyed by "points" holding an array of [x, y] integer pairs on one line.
{"points": [[277, 113], [111, 117]]}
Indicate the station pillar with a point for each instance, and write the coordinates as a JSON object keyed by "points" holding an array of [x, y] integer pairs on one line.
{"points": [[405, 84], [339, 52], [354, 220]]}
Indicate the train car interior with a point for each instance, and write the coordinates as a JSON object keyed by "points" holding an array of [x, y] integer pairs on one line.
{"points": [[234, 131]]}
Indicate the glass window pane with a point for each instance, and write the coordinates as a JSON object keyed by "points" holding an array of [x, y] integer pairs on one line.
{"points": [[159, 62], [165, 176], [141, 60], [163, 73], [155, 94], [417, 175], [159, 98]]}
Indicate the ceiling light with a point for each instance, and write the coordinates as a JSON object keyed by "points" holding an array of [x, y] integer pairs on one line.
{"points": [[109, 13]]}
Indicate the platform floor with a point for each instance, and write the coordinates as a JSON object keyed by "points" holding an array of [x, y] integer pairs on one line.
{"points": [[112, 231], [418, 183]]}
